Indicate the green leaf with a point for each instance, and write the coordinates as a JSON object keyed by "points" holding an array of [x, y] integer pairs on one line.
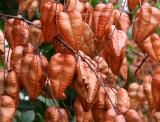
{"points": [[27, 116]]}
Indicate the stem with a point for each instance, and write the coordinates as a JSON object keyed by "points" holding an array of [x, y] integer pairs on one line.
{"points": [[145, 58]]}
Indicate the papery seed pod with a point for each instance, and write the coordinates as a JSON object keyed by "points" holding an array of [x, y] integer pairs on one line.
{"points": [[151, 46], [36, 35], [86, 85], [16, 57], [48, 19], [99, 107], [32, 74], [31, 8], [53, 114], [114, 52], [132, 3], [157, 116], [87, 13], [148, 91], [146, 21], [3, 74], [28, 49], [2, 39], [120, 118], [81, 115], [156, 87], [41, 2], [16, 32], [74, 5], [70, 26], [7, 109], [132, 116], [121, 20], [87, 41], [123, 100], [12, 86], [110, 115], [103, 17], [61, 70]]}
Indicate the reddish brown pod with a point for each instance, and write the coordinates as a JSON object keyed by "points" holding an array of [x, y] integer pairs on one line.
{"points": [[33, 74], [146, 21], [74, 5], [48, 19], [70, 26], [12, 86], [132, 116], [16, 32], [114, 53], [61, 70], [86, 85], [121, 20], [132, 3], [81, 115], [53, 114], [103, 17], [7, 109]]}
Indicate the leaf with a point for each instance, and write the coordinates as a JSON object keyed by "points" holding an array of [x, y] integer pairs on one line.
{"points": [[27, 116]]}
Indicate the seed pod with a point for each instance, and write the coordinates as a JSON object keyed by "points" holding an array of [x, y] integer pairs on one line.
{"points": [[87, 41], [48, 19], [132, 3], [31, 7], [115, 49], [3, 74], [156, 87], [61, 70], [121, 20], [74, 5], [12, 86], [120, 118], [16, 32], [146, 21], [2, 39], [7, 109], [148, 91], [110, 115], [70, 26], [123, 100], [36, 37], [32, 74], [53, 114], [86, 85], [87, 13], [28, 49], [132, 116], [103, 17], [81, 115]]}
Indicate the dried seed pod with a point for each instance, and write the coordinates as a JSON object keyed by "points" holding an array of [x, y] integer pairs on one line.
{"points": [[36, 37], [156, 87], [32, 74], [70, 26], [16, 57], [115, 49], [120, 118], [81, 115], [157, 116], [31, 7], [12, 86], [151, 46], [123, 100], [132, 116], [28, 49], [110, 115], [146, 21], [103, 17], [16, 32], [74, 5], [3, 74], [87, 41], [86, 85], [121, 20], [7, 109], [148, 91], [87, 13], [2, 39], [61, 70], [132, 3], [48, 19], [53, 114]]}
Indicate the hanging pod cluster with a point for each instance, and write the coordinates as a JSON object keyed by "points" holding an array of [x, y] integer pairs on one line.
{"points": [[90, 54]]}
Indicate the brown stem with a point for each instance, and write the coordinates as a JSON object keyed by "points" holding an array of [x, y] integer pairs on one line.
{"points": [[145, 58]]}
